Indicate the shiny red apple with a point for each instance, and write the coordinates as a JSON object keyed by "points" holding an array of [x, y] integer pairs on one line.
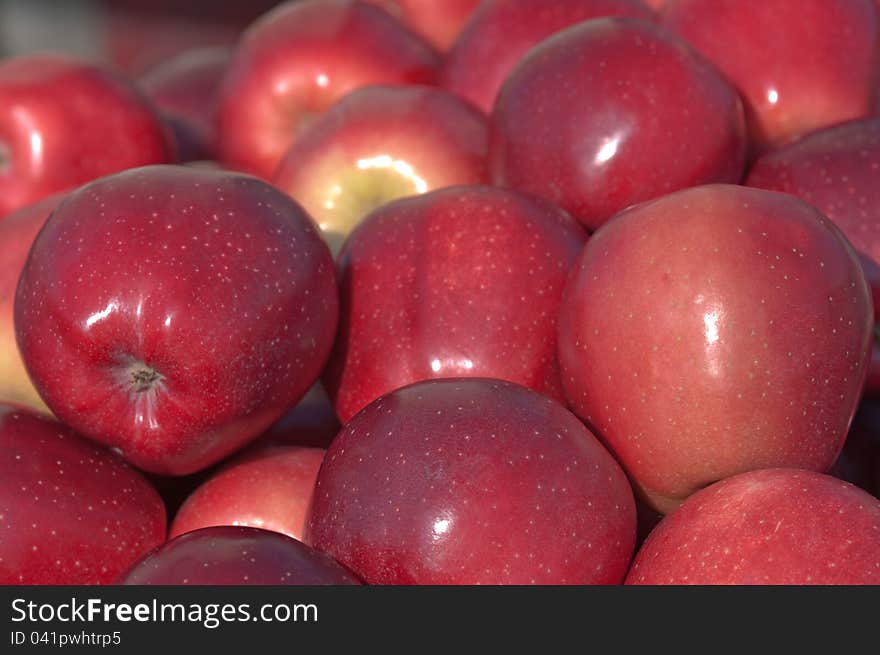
{"points": [[800, 65], [472, 481], [437, 21], [236, 556], [296, 61], [612, 112], [70, 511], [500, 32], [64, 122], [714, 331], [460, 282], [380, 143], [174, 313], [767, 527]]}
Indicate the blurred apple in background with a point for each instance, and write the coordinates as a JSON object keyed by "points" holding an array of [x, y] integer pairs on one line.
{"points": [[437, 21], [500, 32], [800, 65], [859, 462], [70, 511], [380, 143], [311, 423], [195, 309], [776, 526], [460, 282], [647, 116], [296, 61], [714, 331]]}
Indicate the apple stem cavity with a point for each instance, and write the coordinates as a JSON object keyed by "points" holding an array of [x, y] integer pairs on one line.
{"points": [[5, 158]]}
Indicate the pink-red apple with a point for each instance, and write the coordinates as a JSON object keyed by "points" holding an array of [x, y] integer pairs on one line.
{"points": [[714, 331], [767, 527], [460, 282], [437, 21], [472, 481], [174, 313], [299, 59], [612, 112], [70, 511], [380, 143], [500, 32]]}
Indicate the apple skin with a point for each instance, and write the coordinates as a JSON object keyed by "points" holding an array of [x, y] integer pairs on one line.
{"points": [[268, 488], [17, 232], [227, 555], [296, 61], [472, 481], [859, 462], [767, 527], [459, 282], [70, 511], [500, 32], [196, 308], [311, 423], [57, 117], [799, 65], [380, 143], [713, 331], [648, 116], [184, 89], [438, 21]]}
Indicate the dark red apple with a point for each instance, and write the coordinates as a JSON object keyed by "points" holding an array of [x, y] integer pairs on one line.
{"points": [[236, 556], [70, 511], [437, 21], [380, 143], [500, 32], [175, 313], [472, 481], [460, 282], [311, 423], [268, 487], [613, 112], [773, 526], [714, 331], [800, 65], [64, 122], [859, 462], [296, 61]]}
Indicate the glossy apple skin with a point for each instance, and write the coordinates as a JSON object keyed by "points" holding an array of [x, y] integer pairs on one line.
{"points": [[268, 488], [472, 481], [380, 143], [70, 511], [227, 555], [500, 32], [196, 308], [714, 331], [437, 21], [799, 65], [767, 527], [57, 117], [17, 232], [460, 282], [299, 59], [184, 89], [648, 116]]}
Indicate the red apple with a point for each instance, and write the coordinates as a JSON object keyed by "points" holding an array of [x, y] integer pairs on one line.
{"points": [[296, 61], [859, 462], [437, 21], [311, 423], [501, 31], [774, 526], [64, 122], [267, 488], [380, 143], [460, 282], [175, 313], [17, 233], [472, 481], [800, 65], [70, 512], [236, 556], [185, 90], [714, 331], [612, 112]]}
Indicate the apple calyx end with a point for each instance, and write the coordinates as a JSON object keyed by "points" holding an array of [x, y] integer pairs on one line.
{"points": [[143, 378]]}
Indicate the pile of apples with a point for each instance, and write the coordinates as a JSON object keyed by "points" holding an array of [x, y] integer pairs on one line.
{"points": [[449, 292]]}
